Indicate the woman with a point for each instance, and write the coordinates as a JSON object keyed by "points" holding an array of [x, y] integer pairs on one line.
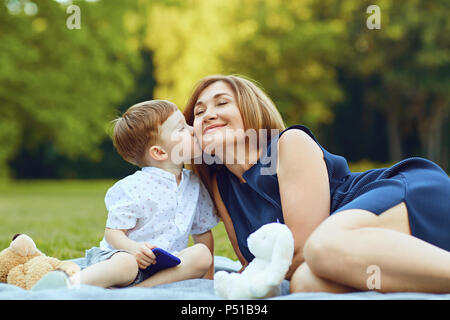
{"points": [[394, 220]]}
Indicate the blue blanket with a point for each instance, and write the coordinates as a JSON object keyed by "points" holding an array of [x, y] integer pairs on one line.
{"points": [[197, 289]]}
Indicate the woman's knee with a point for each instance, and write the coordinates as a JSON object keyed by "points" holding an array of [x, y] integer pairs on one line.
{"points": [[329, 246], [301, 280], [317, 249], [325, 246], [304, 280]]}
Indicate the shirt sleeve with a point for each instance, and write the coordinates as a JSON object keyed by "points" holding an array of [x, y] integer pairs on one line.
{"points": [[206, 216], [123, 210]]}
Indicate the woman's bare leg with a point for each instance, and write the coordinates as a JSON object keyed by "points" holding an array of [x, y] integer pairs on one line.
{"points": [[349, 247], [304, 280]]}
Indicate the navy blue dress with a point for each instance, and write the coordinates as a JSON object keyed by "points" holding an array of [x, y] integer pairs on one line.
{"points": [[420, 183]]}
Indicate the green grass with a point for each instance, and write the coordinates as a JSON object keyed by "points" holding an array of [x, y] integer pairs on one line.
{"points": [[65, 217]]}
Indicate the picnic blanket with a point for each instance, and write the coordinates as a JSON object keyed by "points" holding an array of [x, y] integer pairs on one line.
{"points": [[196, 289]]}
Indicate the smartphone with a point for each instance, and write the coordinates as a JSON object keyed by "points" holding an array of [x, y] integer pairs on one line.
{"points": [[164, 260]]}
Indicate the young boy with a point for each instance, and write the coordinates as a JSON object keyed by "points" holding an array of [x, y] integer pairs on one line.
{"points": [[157, 206]]}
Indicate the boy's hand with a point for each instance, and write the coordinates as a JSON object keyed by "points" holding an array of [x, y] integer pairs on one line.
{"points": [[144, 254]]}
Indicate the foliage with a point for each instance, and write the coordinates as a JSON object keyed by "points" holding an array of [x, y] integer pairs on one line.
{"points": [[292, 54], [309, 54], [59, 85], [188, 39], [409, 59], [378, 94]]}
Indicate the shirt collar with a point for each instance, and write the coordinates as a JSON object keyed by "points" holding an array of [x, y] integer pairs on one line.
{"points": [[163, 173]]}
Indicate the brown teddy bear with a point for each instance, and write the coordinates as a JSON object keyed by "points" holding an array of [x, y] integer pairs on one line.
{"points": [[22, 264]]}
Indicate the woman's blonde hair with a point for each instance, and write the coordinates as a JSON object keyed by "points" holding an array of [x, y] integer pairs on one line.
{"points": [[256, 108]]}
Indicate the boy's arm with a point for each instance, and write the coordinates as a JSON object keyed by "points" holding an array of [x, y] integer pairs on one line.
{"points": [[118, 239], [142, 251], [208, 240]]}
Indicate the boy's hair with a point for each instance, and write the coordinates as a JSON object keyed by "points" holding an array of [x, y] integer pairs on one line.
{"points": [[138, 129]]}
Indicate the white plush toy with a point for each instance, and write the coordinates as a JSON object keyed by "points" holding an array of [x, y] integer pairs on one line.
{"points": [[273, 248]]}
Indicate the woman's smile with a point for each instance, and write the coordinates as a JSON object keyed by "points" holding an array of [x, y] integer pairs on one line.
{"points": [[213, 127], [215, 114]]}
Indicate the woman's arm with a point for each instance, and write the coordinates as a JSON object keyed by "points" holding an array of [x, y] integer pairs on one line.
{"points": [[225, 217], [304, 188], [208, 240]]}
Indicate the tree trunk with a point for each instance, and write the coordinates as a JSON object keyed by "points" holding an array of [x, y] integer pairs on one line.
{"points": [[430, 130], [434, 138], [395, 147]]}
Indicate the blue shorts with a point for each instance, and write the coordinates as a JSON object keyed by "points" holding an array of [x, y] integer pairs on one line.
{"points": [[96, 255]]}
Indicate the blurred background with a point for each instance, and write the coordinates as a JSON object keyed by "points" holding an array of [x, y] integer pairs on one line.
{"points": [[374, 96]]}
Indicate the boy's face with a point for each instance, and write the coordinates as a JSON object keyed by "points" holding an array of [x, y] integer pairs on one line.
{"points": [[177, 139]]}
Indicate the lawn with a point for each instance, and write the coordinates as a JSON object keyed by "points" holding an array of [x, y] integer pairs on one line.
{"points": [[65, 217]]}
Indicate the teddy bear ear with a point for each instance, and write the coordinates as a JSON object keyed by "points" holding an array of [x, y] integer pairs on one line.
{"points": [[15, 236]]}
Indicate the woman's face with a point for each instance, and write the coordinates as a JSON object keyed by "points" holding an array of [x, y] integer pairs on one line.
{"points": [[216, 116]]}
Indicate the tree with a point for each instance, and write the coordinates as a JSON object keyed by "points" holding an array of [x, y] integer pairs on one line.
{"points": [[188, 40], [63, 86], [292, 53], [410, 58], [273, 42]]}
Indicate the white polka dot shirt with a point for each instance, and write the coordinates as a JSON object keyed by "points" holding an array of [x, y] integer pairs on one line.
{"points": [[154, 209]]}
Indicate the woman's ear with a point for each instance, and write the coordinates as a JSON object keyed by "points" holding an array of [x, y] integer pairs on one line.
{"points": [[158, 153]]}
